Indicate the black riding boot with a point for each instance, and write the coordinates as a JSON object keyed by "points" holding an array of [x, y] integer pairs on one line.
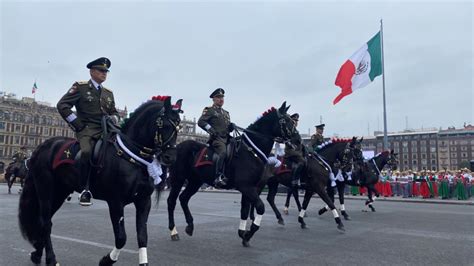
{"points": [[221, 180], [85, 197], [296, 174]]}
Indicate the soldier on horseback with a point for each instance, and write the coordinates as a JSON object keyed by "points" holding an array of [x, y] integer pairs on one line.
{"points": [[317, 138], [295, 153], [19, 157], [92, 102], [216, 121]]}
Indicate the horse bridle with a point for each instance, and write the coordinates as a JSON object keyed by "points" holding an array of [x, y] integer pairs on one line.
{"points": [[345, 160], [161, 145]]}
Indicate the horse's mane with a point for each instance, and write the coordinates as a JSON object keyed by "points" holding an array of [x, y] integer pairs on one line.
{"points": [[332, 142], [143, 108], [270, 110], [385, 153]]}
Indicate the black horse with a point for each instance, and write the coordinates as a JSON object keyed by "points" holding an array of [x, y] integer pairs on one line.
{"points": [[14, 170], [364, 174], [315, 176], [244, 169], [122, 178]]}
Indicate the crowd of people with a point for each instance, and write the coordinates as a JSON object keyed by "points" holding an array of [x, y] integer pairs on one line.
{"points": [[446, 184]]}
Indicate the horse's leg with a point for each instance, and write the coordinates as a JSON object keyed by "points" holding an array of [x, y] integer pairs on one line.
{"points": [[297, 199], [251, 194], [369, 204], [191, 188], [142, 206], [118, 224], [289, 192], [340, 190], [307, 197], [173, 195], [272, 191], [330, 193], [330, 205], [244, 214], [252, 207]]}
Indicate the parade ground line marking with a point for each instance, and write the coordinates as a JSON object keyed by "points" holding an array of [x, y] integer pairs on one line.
{"points": [[90, 243]]}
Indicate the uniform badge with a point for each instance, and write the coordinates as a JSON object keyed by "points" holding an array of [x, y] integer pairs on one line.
{"points": [[109, 99], [88, 93], [72, 89], [90, 98]]}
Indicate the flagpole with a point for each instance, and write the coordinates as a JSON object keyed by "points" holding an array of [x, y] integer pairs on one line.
{"points": [[385, 138]]}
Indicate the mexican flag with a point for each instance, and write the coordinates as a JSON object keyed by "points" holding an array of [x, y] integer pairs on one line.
{"points": [[33, 90], [361, 68]]}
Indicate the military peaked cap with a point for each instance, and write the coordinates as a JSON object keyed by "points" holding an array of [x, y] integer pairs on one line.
{"points": [[100, 63], [217, 93]]}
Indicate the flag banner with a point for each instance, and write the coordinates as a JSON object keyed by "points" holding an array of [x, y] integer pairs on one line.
{"points": [[361, 68]]}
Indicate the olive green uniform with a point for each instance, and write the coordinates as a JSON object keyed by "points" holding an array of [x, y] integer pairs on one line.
{"points": [[91, 105], [219, 119], [18, 158], [316, 140]]}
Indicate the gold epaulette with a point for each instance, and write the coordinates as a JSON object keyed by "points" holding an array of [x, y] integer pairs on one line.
{"points": [[84, 82]]}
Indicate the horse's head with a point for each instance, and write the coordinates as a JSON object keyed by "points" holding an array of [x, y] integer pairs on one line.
{"points": [[155, 125], [392, 160], [276, 123], [167, 125], [358, 154], [341, 151]]}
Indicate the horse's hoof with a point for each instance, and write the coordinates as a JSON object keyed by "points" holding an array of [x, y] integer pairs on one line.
{"points": [[372, 208], [280, 221], [175, 237], [68, 198], [365, 211], [245, 243], [9, 192], [143, 264], [341, 228], [322, 210], [51, 262], [305, 214], [36, 259], [303, 226], [106, 261], [285, 211], [346, 216], [189, 230]]}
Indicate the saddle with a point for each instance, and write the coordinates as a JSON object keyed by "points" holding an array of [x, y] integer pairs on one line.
{"points": [[205, 155], [284, 168], [70, 152]]}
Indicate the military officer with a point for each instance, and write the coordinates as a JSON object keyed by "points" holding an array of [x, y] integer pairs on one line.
{"points": [[92, 102], [216, 121], [20, 156], [294, 153], [317, 138]]}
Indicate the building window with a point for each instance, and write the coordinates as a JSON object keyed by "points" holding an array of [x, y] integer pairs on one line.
{"points": [[17, 139], [405, 149], [413, 143], [432, 142], [405, 162], [433, 161], [423, 156], [414, 156], [415, 162], [463, 155], [423, 149], [454, 162], [405, 156], [396, 144], [454, 155], [453, 149], [18, 128], [414, 149], [405, 144], [453, 142], [423, 162], [2, 138], [433, 149], [463, 148], [463, 142], [423, 142]]}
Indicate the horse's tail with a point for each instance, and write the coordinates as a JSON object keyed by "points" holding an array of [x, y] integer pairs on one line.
{"points": [[28, 212]]}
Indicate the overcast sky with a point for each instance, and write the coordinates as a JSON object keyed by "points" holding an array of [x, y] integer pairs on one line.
{"points": [[261, 53]]}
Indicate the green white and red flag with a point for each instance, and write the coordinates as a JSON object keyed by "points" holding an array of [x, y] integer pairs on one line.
{"points": [[361, 68]]}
